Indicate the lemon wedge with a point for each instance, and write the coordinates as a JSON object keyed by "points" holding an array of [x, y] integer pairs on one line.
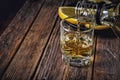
{"points": [[67, 11]]}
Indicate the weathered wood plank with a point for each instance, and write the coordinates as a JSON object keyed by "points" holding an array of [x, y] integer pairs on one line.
{"points": [[26, 59], [12, 37], [51, 66], [50, 59], [107, 60]]}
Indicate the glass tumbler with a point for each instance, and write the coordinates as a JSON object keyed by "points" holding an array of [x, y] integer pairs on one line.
{"points": [[76, 41]]}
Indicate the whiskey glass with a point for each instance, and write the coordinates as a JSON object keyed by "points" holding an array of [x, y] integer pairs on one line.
{"points": [[76, 41]]}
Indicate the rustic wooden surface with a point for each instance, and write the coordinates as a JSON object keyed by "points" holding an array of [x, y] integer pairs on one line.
{"points": [[30, 50]]}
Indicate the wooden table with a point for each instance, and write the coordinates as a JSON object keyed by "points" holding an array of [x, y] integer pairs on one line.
{"points": [[30, 50]]}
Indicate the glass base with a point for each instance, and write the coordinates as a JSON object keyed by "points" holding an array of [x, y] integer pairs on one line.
{"points": [[77, 62]]}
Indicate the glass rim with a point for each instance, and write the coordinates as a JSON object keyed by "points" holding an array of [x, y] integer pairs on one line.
{"points": [[63, 20]]}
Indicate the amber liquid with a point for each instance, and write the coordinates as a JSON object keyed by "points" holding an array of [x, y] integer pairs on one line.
{"points": [[75, 47]]}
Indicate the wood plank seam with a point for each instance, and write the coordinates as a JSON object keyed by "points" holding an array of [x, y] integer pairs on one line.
{"points": [[34, 74], [94, 55], [42, 36], [23, 36]]}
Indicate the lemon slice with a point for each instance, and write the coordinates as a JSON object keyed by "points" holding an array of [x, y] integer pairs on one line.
{"points": [[67, 11]]}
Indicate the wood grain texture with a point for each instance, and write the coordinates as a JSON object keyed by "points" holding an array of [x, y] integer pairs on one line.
{"points": [[51, 60], [107, 60], [25, 61], [12, 37]]}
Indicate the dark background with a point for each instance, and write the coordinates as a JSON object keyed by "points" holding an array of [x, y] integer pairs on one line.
{"points": [[8, 9]]}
